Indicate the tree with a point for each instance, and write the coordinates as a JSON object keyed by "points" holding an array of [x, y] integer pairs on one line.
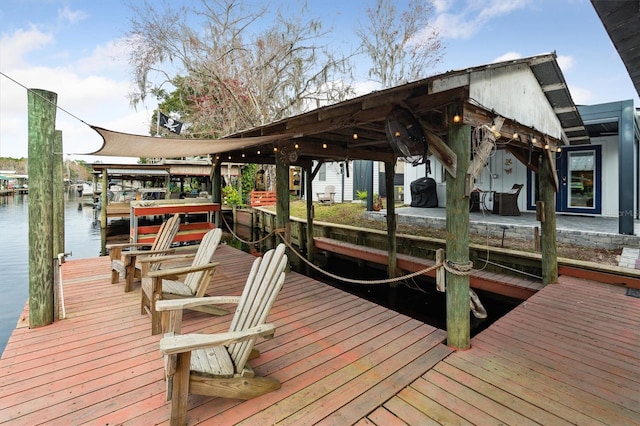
{"points": [[402, 47], [232, 69]]}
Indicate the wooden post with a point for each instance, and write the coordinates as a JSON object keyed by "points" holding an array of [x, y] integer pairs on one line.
{"points": [[216, 189], [548, 226], [58, 195], [58, 215], [457, 211], [282, 192], [308, 183], [389, 175], [42, 118], [104, 205]]}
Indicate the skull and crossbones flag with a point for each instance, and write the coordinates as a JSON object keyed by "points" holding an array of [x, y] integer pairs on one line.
{"points": [[172, 125]]}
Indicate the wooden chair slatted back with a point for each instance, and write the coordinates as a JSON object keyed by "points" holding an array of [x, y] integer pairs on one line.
{"points": [[166, 234], [205, 253], [263, 285]]}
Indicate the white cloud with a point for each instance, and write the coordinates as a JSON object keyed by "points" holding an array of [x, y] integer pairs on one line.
{"points": [[71, 16], [94, 89], [114, 54], [464, 19], [580, 95], [509, 56], [19, 44], [565, 62]]}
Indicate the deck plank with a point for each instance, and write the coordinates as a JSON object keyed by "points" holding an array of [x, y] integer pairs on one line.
{"points": [[569, 354]]}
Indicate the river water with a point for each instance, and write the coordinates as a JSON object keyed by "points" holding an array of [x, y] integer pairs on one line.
{"points": [[82, 239]]}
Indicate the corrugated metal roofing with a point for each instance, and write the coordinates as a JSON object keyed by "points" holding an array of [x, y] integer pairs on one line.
{"points": [[555, 88], [621, 19]]}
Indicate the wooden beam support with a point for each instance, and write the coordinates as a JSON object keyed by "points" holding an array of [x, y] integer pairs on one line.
{"points": [[440, 149], [457, 211], [548, 227], [282, 194], [389, 175]]}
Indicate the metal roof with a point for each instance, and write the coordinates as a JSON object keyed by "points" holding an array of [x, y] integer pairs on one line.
{"points": [[355, 129], [621, 19]]}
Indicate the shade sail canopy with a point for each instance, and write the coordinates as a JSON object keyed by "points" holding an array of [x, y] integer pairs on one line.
{"points": [[119, 144]]}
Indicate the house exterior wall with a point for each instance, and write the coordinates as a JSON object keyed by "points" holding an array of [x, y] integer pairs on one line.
{"points": [[343, 184]]}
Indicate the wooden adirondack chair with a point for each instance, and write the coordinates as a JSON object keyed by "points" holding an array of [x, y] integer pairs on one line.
{"points": [[125, 262], [216, 364], [328, 195], [162, 283]]}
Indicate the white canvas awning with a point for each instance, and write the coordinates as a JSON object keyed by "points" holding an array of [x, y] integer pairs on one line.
{"points": [[119, 144]]}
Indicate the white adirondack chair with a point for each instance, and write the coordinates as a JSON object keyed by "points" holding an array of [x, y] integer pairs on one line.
{"points": [[216, 364], [125, 261], [162, 283]]}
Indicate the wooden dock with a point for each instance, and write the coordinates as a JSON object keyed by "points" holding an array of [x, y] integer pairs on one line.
{"points": [[569, 354]]}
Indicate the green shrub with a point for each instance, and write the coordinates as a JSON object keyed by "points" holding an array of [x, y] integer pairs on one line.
{"points": [[231, 196]]}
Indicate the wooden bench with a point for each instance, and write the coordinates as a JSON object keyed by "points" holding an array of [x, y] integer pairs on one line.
{"points": [[262, 198]]}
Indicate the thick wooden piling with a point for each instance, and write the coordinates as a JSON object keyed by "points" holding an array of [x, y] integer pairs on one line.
{"points": [[308, 182], [389, 173], [282, 194], [42, 118], [548, 226], [458, 316]]}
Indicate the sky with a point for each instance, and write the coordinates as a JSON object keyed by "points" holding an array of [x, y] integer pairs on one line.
{"points": [[75, 49]]}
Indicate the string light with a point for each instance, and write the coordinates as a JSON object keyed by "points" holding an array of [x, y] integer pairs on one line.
{"points": [[324, 146], [258, 152], [457, 118], [296, 146], [275, 149], [515, 134], [355, 136]]}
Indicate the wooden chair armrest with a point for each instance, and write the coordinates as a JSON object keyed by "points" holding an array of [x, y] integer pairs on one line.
{"points": [[148, 256], [187, 342], [190, 302], [127, 245], [182, 270]]}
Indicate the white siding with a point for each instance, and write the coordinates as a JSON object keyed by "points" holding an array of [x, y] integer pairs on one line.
{"points": [[334, 177]]}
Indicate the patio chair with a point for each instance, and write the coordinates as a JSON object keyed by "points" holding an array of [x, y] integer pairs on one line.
{"points": [[327, 195], [164, 284], [216, 364], [506, 203], [125, 261]]}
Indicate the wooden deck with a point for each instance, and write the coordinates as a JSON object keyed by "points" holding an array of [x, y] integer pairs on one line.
{"points": [[569, 354], [337, 356]]}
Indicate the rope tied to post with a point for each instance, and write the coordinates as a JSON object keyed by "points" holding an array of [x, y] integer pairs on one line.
{"points": [[458, 268]]}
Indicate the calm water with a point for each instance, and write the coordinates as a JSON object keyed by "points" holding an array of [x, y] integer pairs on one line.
{"points": [[82, 238]]}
